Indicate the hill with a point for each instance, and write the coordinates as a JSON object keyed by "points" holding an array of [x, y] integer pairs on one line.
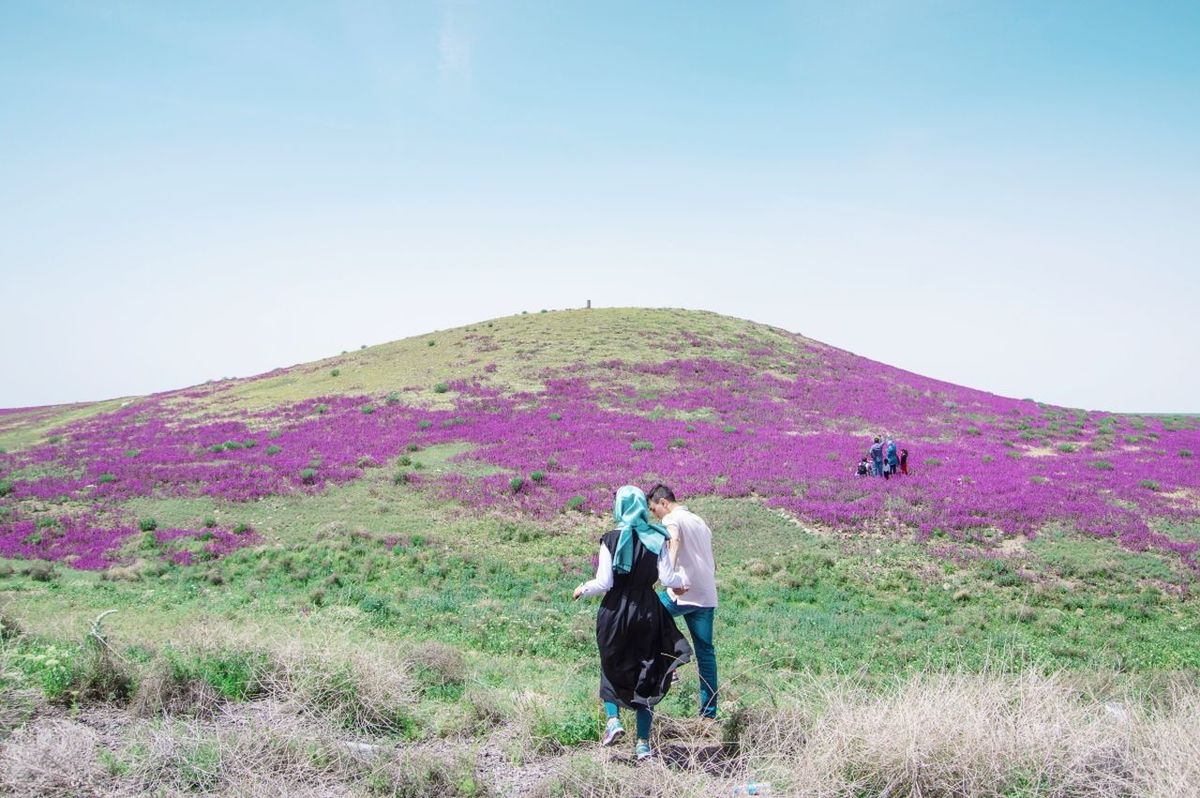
{"points": [[381, 545]]}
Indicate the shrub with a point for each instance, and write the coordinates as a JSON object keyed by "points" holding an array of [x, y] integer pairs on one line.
{"points": [[728, 428], [147, 524], [132, 452], [433, 343], [321, 408], [6, 487], [538, 476], [210, 522], [273, 434], [678, 443], [424, 424], [1185, 452], [441, 387], [401, 478], [641, 445], [335, 372], [231, 445], [273, 449], [437, 666], [242, 529], [412, 447], [249, 443], [54, 439], [576, 503], [1067, 448], [1148, 484], [367, 409], [393, 398], [308, 476], [1102, 465], [555, 416], [516, 483], [972, 431], [404, 460], [9, 629], [107, 477]]}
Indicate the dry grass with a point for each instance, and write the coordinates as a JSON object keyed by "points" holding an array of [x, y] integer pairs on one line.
{"points": [[51, 758]]}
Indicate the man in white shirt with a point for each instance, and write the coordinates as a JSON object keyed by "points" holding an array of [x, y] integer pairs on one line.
{"points": [[692, 556]]}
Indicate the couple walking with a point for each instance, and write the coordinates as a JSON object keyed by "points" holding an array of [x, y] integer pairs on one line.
{"points": [[640, 645]]}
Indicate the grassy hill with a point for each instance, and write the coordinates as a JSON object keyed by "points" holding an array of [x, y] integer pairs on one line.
{"points": [[379, 548]]}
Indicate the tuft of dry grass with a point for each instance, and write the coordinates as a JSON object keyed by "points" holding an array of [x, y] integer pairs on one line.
{"points": [[437, 664], [51, 758], [163, 691]]}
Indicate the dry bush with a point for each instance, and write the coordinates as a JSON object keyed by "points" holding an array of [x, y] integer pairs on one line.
{"points": [[422, 773], [348, 689], [603, 776], [437, 664], [98, 676], [164, 691], [9, 628], [51, 758], [974, 736], [1167, 760]]}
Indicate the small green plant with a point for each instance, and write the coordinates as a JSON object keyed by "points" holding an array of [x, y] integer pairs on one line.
{"points": [[441, 387], [393, 398], [273, 449], [404, 460], [54, 439], [401, 478], [433, 343], [273, 434], [6, 487], [210, 522], [308, 476], [231, 445], [242, 529], [1102, 465], [1149, 484], [576, 503], [728, 428], [516, 483], [321, 408], [249, 443], [424, 424], [538, 476], [641, 446], [106, 477], [1185, 452], [147, 524], [132, 452], [972, 431], [335, 372], [367, 409], [678, 443], [555, 416], [412, 447]]}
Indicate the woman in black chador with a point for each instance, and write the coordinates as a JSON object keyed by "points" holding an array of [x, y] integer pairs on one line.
{"points": [[640, 645]]}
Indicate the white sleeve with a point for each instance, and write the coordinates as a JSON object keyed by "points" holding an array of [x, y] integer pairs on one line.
{"points": [[603, 580], [666, 574]]}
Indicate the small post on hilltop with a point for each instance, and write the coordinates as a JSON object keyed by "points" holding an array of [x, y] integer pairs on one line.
{"points": [[589, 304]]}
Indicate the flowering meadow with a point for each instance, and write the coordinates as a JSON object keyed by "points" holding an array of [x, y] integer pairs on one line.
{"points": [[785, 420]]}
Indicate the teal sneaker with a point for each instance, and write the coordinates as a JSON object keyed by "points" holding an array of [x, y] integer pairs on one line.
{"points": [[642, 750], [613, 731]]}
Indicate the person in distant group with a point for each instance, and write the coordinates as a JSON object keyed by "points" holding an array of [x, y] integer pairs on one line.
{"points": [[640, 645], [877, 458], [892, 459], [692, 555], [904, 461], [864, 467]]}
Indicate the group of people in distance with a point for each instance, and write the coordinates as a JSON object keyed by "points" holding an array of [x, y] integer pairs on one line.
{"points": [[884, 460], [656, 539]]}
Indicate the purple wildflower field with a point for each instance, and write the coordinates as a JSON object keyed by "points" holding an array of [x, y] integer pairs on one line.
{"points": [[784, 424]]}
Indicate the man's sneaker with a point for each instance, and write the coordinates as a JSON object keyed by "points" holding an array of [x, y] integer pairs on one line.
{"points": [[613, 731], [642, 750]]}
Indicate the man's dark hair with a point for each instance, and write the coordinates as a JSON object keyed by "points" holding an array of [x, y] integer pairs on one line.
{"points": [[660, 491]]}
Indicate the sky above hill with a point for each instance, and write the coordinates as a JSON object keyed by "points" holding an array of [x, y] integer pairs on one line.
{"points": [[1001, 194]]}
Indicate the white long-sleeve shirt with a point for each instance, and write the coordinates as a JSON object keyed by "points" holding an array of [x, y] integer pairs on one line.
{"points": [[603, 581]]}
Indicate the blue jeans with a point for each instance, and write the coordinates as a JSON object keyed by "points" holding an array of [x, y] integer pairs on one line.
{"points": [[699, 622]]}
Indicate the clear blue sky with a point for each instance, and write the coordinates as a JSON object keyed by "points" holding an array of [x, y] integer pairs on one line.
{"points": [[1002, 194]]}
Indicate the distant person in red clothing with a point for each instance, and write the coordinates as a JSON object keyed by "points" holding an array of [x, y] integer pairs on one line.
{"points": [[904, 461]]}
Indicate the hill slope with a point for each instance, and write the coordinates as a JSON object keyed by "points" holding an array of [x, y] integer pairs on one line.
{"points": [[543, 412]]}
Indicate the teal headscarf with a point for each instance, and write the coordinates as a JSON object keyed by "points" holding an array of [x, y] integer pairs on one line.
{"points": [[633, 517]]}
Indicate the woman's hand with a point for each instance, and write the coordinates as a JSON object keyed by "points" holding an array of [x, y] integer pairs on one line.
{"points": [[578, 592]]}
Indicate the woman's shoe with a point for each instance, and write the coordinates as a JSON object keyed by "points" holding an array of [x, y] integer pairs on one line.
{"points": [[642, 750], [613, 731]]}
